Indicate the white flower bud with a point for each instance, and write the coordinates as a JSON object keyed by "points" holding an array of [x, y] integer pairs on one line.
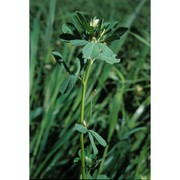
{"points": [[94, 22]]}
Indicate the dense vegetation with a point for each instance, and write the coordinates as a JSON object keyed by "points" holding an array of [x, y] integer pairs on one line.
{"points": [[120, 106]]}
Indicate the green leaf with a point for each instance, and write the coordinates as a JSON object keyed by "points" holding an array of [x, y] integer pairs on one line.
{"points": [[106, 54], [67, 37], [121, 30], [111, 38], [115, 34], [82, 61], [108, 59], [79, 153], [83, 21], [90, 51], [110, 27], [57, 56], [72, 29], [95, 150], [59, 59], [80, 128], [114, 24], [66, 29], [76, 160], [106, 25], [68, 83], [102, 177], [78, 42], [104, 49], [100, 140], [78, 66], [99, 51]]}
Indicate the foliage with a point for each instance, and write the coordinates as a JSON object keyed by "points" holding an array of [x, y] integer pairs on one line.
{"points": [[121, 104], [92, 35]]}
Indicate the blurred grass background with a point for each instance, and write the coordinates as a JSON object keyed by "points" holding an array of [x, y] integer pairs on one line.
{"points": [[121, 106]]}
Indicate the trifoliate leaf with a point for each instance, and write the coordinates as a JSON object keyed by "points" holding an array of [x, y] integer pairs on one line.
{"points": [[100, 140]]}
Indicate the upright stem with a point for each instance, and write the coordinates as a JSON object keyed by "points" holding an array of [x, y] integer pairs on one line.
{"points": [[84, 84]]}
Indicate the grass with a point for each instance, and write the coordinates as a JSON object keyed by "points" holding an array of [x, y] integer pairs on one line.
{"points": [[121, 105]]}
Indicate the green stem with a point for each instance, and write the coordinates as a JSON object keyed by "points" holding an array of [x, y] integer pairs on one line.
{"points": [[84, 84]]}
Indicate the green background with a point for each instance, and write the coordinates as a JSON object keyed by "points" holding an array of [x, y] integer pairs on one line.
{"points": [[122, 101]]}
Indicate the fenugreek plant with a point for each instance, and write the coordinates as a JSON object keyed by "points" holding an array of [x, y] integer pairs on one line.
{"points": [[91, 37]]}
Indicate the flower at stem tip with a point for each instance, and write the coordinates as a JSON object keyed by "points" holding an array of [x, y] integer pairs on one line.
{"points": [[94, 22]]}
